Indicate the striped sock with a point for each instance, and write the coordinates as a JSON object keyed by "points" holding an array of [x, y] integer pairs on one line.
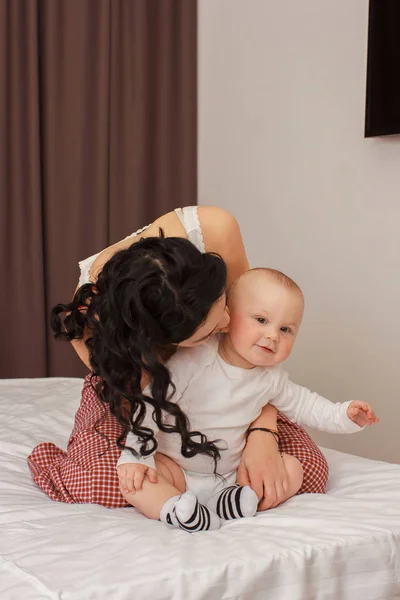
{"points": [[185, 512], [234, 502]]}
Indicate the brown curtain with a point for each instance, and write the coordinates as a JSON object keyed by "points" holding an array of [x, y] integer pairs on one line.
{"points": [[97, 138]]}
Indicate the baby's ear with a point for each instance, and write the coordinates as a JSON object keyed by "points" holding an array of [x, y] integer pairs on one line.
{"points": [[226, 328]]}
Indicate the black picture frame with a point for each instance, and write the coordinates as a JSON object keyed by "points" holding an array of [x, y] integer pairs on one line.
{"points": [[382, 110]]}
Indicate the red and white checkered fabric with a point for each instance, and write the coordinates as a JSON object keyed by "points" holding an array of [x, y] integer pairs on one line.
{"points": [[86, 472], [295, 440]]}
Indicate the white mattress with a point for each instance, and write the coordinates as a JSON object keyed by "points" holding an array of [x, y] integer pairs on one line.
{"points": [[343, 545]]}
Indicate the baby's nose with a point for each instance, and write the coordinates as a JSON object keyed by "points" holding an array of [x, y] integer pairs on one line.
{"points": [[273, 335]]}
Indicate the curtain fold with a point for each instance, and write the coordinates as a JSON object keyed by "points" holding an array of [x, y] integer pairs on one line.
{"points": [[97, 138]]}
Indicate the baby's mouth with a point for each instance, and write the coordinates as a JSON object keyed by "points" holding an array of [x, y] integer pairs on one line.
{"points": [[266, 349]]}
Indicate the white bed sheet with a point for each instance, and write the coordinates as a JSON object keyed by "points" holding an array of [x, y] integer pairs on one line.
{"points": [[344, 545]]}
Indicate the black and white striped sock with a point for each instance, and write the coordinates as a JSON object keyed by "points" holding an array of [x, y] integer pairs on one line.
{"points": [[186, 512], [234, 502]]}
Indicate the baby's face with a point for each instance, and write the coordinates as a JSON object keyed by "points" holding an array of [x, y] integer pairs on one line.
{"points": [[265, 318]]}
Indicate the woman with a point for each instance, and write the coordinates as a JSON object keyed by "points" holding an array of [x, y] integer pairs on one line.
{"points": [[135, 302]]}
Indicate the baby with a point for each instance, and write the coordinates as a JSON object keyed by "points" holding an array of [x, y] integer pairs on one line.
{"points": [[222, 387]]}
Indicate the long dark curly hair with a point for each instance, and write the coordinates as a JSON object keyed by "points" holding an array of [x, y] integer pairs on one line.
{"points": [[147, 298]]}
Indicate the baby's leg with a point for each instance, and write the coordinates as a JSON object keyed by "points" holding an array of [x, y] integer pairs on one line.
{"points": [[294, 470], [234, 502], [151, 498], [168, 501]]}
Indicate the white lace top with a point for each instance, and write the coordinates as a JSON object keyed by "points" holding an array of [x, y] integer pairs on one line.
{"points": [[190, 221]]}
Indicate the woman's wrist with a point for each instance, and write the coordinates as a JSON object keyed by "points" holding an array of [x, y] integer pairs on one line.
{"points": [[261, 439], [266, 430]]}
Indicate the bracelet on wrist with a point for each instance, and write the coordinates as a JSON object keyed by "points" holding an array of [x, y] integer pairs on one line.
{"points": [[266, 430]]}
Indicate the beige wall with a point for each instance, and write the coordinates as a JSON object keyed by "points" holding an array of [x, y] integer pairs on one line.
{"points": [[281, 101]]}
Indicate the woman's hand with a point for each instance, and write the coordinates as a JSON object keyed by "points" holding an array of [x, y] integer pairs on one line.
{"points": [[361, 413], [131, 476], [263, 469]]}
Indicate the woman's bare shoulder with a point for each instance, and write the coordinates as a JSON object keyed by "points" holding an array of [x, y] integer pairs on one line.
{"points": [[211, 216], [221, 234]]}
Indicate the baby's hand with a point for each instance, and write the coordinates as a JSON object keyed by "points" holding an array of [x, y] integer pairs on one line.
{"points": [[361, 413], [131, 476]]}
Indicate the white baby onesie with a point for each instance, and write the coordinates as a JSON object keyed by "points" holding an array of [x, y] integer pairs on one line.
{"points": [[221, 401]]}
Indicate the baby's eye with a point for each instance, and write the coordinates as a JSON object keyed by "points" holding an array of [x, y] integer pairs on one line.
{"points": [[286, 330], [261, 320]]}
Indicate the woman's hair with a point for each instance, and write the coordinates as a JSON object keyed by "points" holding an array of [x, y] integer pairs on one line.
{"points": [[148, 298]]}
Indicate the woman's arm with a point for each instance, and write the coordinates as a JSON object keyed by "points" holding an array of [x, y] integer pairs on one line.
{"points": [[268, 419], [80, 345], [261, 464]]}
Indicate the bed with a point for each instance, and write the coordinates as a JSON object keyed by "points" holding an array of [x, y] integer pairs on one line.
{"points": [[343, 545]]}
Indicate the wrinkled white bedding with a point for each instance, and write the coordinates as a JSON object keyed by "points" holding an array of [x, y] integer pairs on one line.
{"points": [[343, 545]]}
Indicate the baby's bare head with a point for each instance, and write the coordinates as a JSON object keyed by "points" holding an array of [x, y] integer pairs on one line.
{"points": [[263, 277]]}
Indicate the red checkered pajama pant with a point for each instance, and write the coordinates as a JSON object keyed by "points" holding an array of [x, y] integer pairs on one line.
{"points": [[86, 472]]}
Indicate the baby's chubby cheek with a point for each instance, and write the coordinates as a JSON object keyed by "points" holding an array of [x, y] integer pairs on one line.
{"points": [[285, 350], [239, 328]]}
